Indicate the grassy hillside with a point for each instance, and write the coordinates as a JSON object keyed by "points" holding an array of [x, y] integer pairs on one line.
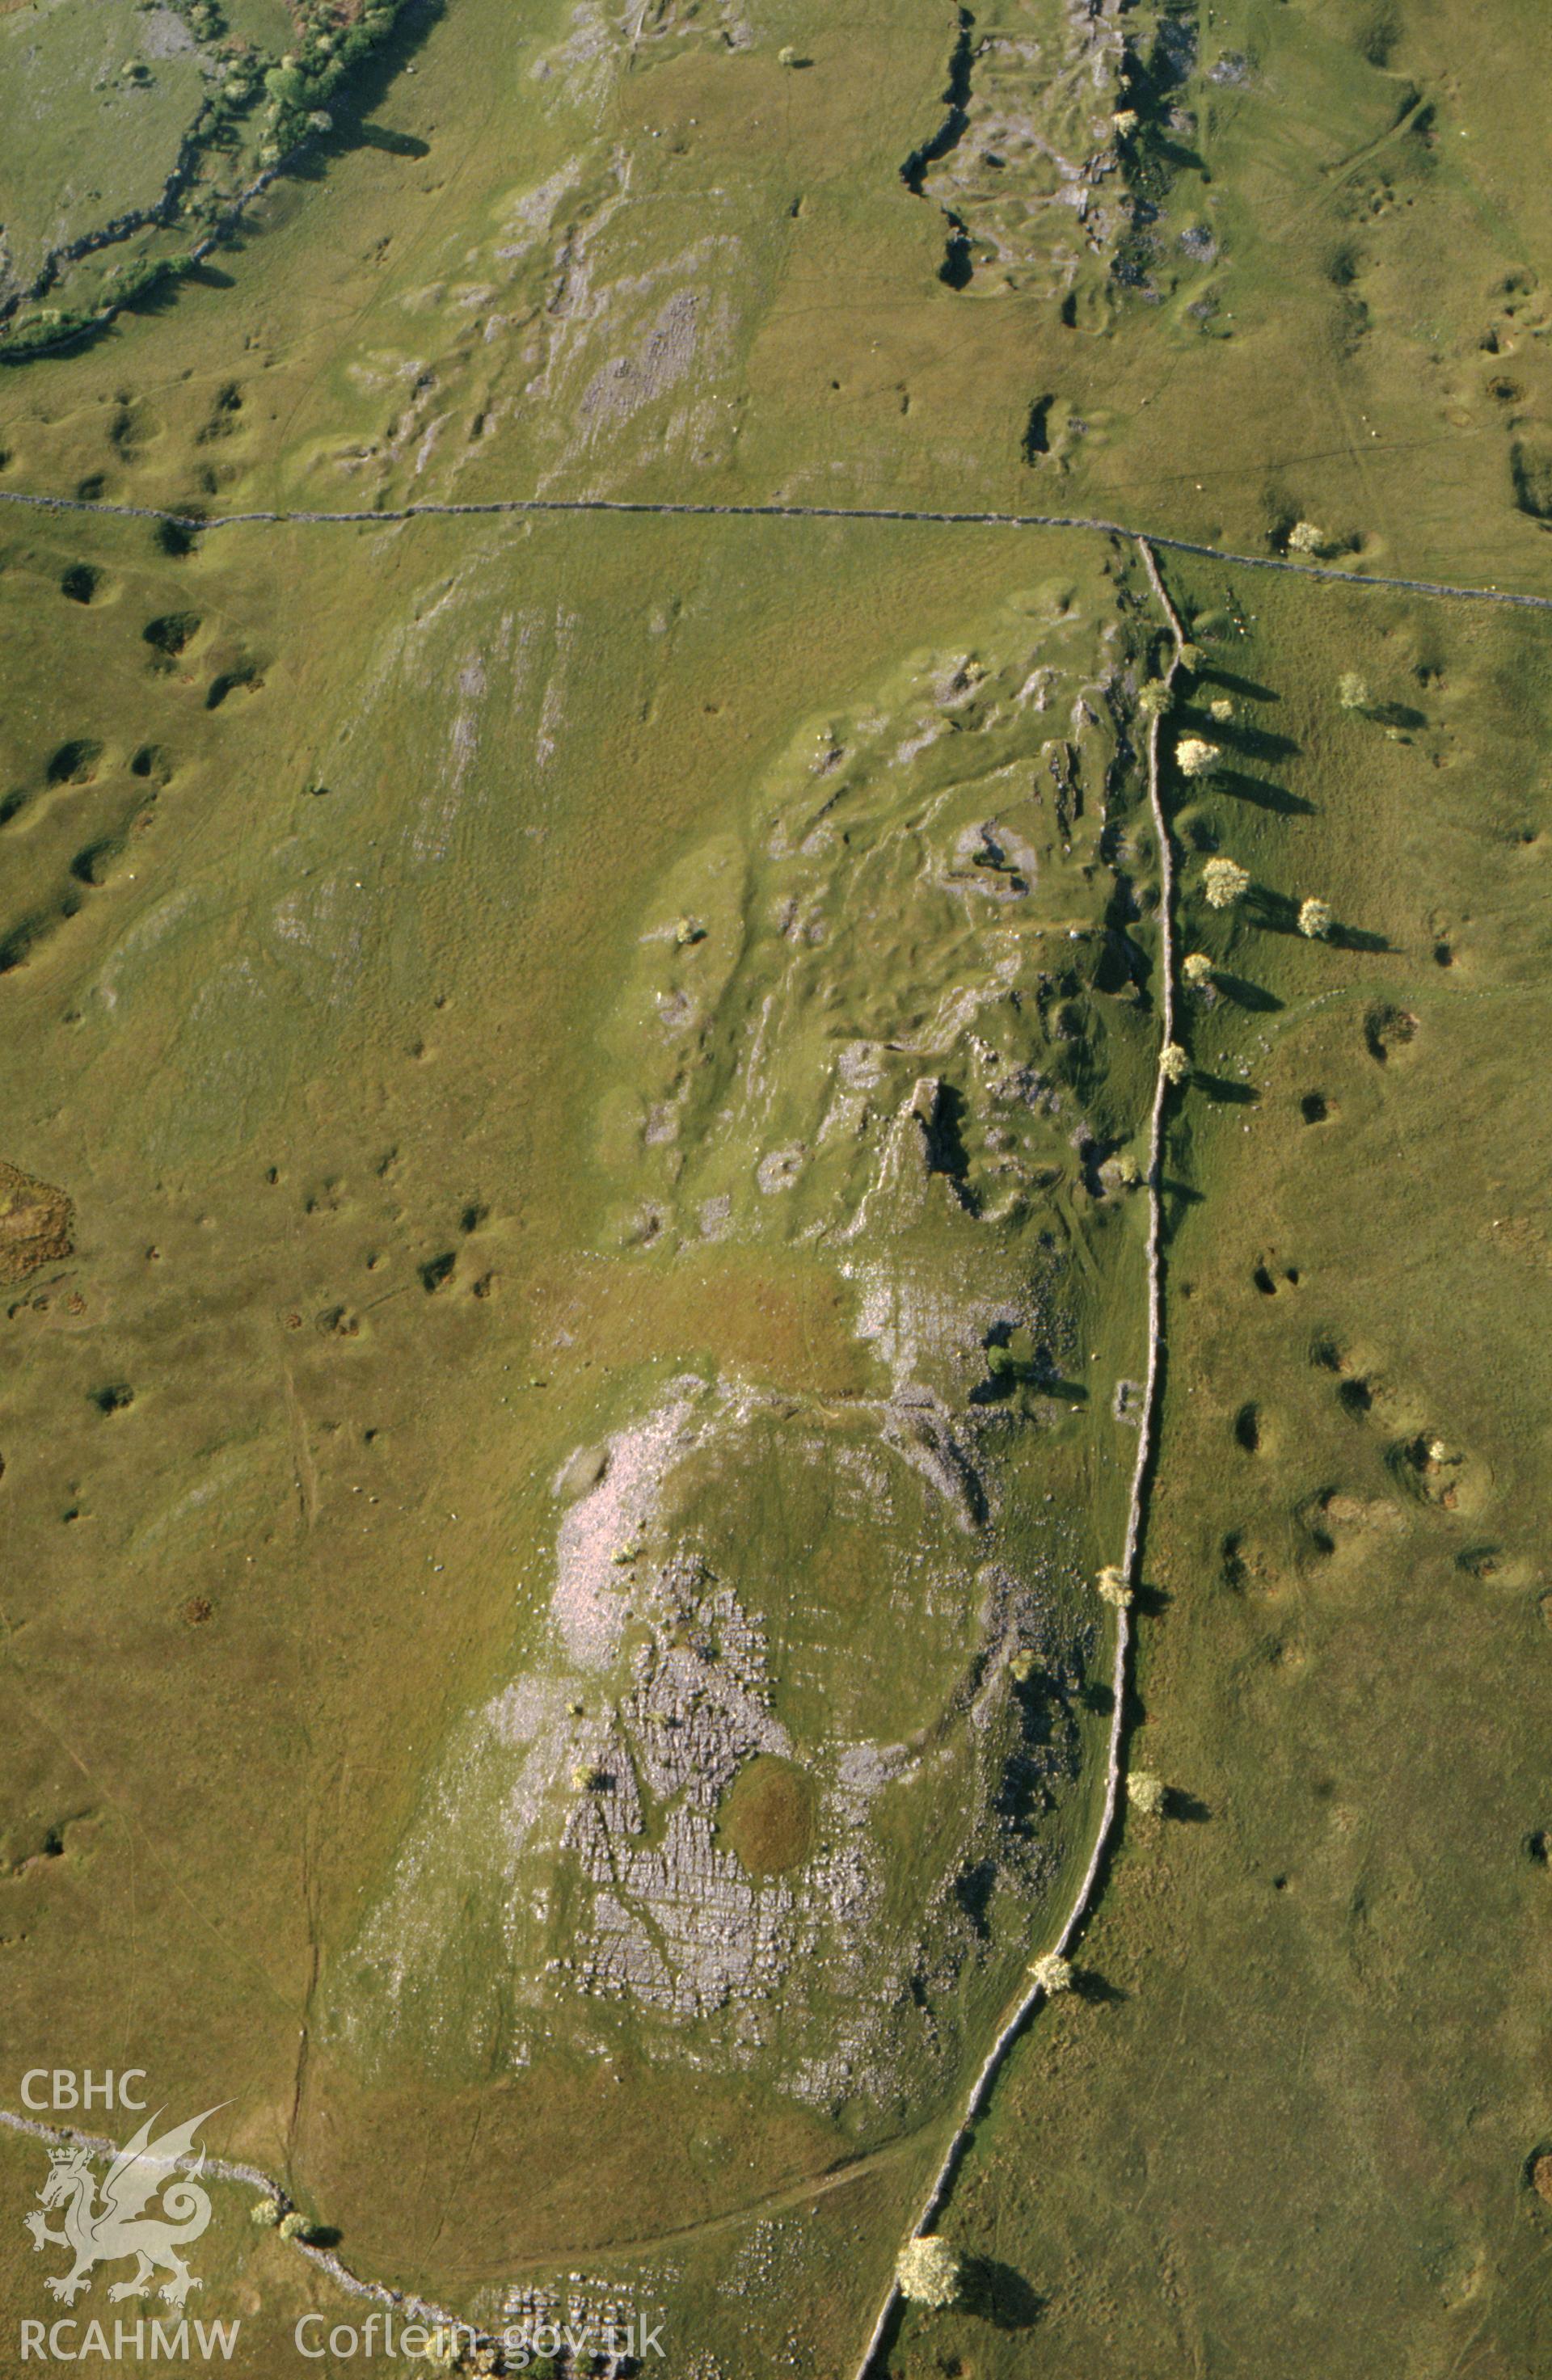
{"points": [[773, 1312], [571, 1219]]}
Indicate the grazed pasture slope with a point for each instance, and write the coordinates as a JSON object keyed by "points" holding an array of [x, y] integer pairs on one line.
{"points": [[571, 1227]]}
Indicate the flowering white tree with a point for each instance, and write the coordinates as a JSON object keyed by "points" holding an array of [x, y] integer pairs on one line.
{"points": [[1052, 1973], [928, 2272], [1194, 757], [1225, 881]]}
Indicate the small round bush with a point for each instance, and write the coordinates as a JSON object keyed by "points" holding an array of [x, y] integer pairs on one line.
{"points": [[1174, 1064], [295, 2225], [1120, 1171], [1351, 691], [1316, 919], [265, 2212], [1111, 1588], [1146, 1792], [1197, 968], [1304, 538]]}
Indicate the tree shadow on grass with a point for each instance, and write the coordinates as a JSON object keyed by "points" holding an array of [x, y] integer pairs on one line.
{"points": [[1357, 938], [1274, 913], [158, 298], [1232, 683], [1176, 154], [1237, 739], [1242, 788], [1224, 1093], [999, 2295], [1245, 994], [393, 144]]}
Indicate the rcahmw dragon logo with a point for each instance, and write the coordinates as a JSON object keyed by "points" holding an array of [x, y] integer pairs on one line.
{"points": [[103, 2234]]}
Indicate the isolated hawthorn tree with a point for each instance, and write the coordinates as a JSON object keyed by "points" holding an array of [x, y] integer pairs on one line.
{"points": [[1225, 881], [1194, 757], [929, 2272]]}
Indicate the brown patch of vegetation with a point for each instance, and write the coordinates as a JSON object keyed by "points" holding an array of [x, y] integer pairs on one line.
{"points": [[34, 1224], [767, 1816], [1387, 1028]]}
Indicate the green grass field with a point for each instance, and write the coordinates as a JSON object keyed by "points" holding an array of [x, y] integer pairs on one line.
{"points": [[571, 1219]]}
